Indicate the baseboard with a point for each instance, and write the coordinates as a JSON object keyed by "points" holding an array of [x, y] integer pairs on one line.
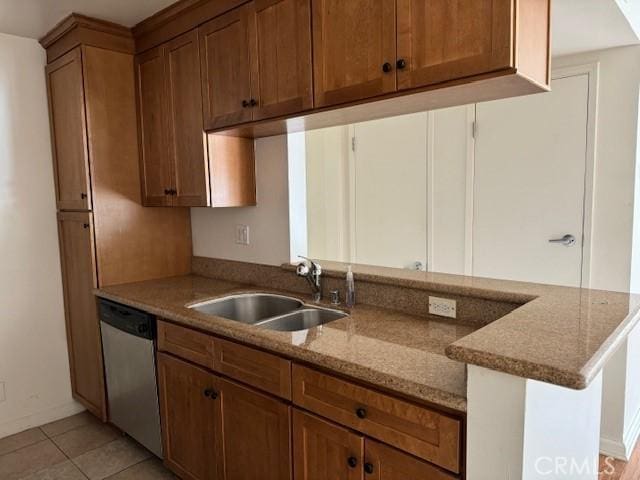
{"points": [[622, 449], [40, 418], [613, 448]]}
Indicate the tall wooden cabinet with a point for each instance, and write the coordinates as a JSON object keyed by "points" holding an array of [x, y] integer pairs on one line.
{"points": [[106, 236]]}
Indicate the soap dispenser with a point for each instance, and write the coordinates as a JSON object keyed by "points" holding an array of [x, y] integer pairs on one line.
{"points": [[350, 299]]}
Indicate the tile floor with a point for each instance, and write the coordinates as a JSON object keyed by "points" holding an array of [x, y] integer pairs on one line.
{"points": [[77, 448]]}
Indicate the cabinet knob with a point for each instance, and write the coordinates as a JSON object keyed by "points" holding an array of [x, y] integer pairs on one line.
{"points": [[368, 468], [167, 191], [352, 462], [85, 225], [245, 103], [253, 102], [387, 67], [401, 64], [83, 196], [210, 393], [361, 413]]}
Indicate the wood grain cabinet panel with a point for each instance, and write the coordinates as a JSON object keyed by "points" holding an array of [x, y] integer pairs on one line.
{"points": [[382, 462], [187, 139], [256, 435], [156, 171], [441, 40], [262, 370], [186, 343], [78, 260], [282, 55], [191, 418], [69, 131], [325, 451], [226, 68], [416, 429], [351, 43]]}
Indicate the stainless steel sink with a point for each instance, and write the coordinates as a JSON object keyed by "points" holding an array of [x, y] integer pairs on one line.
{"points": [[302, 320], [249, 307]]}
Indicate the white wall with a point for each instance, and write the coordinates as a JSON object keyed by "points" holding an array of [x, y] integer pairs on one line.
{"points": [[214, 229], [34, 368]]}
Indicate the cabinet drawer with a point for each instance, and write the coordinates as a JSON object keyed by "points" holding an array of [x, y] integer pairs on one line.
{"points": [[262, 370], [415, 429], [186, 343]]}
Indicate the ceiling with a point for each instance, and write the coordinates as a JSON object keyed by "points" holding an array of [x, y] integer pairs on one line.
{"points": [[34, 18], [578, 25]]}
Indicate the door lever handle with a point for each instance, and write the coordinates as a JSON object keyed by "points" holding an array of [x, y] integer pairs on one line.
{"points": [[568, 240]]}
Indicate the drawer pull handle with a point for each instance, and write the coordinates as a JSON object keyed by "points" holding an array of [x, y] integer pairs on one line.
{"points": [[361, 413], [209, 393], [352, 462], [368, 468]]}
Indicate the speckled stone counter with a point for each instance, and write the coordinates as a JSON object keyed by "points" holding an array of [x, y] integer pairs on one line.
{"points": [[396, 351]]}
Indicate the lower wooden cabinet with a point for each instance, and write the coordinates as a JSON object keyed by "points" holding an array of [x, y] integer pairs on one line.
{"points": [[78, 259], [216, 429], [326, 451], [191, 418]]}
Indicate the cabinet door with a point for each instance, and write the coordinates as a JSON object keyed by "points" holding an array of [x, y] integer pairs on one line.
{"points": [[441, 40], [83, 329], [186, 135], [325, 451], [283, 84], [156, 174], [351, 43], [257, 438], [226, 69], [69, 131], [386, 463], [190, 413]]}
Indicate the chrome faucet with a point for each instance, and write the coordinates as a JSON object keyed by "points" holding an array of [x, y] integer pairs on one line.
{"points": [[312, 271]]}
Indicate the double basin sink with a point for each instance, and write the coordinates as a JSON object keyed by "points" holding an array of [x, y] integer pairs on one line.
{"points": [[269, 311]]}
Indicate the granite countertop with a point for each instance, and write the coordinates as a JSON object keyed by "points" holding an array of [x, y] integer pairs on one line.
{"points": [[399, 352], [559, 335]]}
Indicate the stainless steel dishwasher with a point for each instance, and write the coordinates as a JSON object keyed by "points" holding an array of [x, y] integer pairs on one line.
{"points": [[128, 343]]}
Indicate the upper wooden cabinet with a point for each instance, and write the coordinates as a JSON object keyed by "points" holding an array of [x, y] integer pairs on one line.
{"points": [[173, 151], [440, 40], [226, 69], [282, 53], [354, 49], [180, 165], [68, 129], [256, 62], [156, 172], [187, 148]]}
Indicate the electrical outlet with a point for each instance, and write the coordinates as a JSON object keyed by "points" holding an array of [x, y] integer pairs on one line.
{"points": [[242, 234], [3, 393], [442, 307]]}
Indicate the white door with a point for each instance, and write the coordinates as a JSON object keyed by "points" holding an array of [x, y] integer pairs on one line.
{"points": [[390, 192], [529, 185]]}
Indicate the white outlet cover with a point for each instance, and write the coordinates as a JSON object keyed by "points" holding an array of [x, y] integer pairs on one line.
{"points": [[443, 307], [242, 234]]}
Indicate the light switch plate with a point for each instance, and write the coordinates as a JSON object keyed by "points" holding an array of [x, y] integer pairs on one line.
{"points": [[443, 307], [242, 234]]}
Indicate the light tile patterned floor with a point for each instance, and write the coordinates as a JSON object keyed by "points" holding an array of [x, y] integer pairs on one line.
{"points": [[77, 448]]}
